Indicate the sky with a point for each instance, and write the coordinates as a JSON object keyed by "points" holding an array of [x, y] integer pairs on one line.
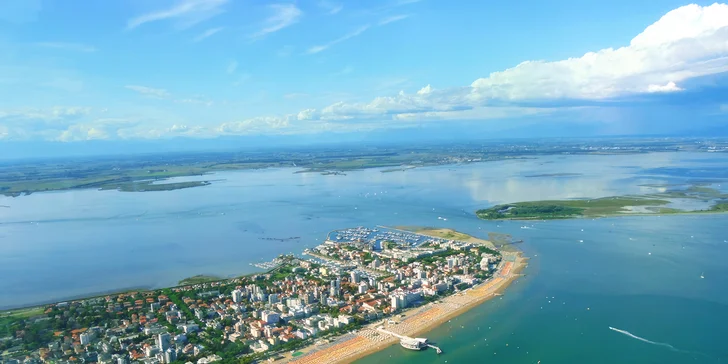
{"points": [[130, 70]]}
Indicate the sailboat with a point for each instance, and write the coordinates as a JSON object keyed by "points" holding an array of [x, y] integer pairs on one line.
{"points": [[701, 275]]}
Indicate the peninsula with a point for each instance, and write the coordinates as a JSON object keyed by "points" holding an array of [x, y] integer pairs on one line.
{"points": [[653, 204], [359, 292]]}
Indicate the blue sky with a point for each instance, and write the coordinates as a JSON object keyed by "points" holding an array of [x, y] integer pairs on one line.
{"points": [[140, 69]]}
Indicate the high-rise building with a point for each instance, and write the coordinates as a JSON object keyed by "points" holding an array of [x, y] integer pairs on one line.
{"points": [[273, 298], [355, 277], [163, 341], [169, 356], [237, 296], [363, 287], [85, 338]]}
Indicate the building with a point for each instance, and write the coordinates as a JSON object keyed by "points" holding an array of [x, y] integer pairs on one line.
{"points": [[363, 287], [170, 355], [85, 338], [355, 277], [273, 298], [163, 341], [270, 317], [237, 296]]}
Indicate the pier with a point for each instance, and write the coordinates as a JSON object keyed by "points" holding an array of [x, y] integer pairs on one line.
{"points": [[409, 342]]}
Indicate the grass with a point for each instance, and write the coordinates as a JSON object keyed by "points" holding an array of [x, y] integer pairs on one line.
{"points": [[201, 278], [602, 207], [23, 313], [565, 209], [445, 234]]}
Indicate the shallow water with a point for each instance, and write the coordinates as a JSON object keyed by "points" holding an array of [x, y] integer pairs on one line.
{"points": [[64, 244]]}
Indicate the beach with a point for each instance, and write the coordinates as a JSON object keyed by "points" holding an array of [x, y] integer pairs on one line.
{"points": [[415, 321]]}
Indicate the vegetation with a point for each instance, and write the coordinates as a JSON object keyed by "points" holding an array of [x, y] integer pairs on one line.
{"points": [[135, 173], [608, 206], [198, 279]]}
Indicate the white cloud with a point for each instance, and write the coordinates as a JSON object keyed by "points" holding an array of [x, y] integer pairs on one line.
{"points": [[206, 34], [232, 66], [75, 47], [49, 114], [149, 91], [254, 125], [393, 19], [323, 47], [687, 42], [669, 87], [331, 8], [284, 15], [308, 114], [186, 12]]}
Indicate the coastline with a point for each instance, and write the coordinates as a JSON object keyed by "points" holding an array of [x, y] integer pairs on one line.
{"points": [[368, 341]]}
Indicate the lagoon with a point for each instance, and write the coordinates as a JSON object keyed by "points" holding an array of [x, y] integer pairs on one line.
{"points": [[641, 274]]}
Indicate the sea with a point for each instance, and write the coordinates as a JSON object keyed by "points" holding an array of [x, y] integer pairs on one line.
{"points": [[629, 289]]}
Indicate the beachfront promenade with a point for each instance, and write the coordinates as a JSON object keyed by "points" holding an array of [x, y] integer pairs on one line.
{"points": [[369, 339]]}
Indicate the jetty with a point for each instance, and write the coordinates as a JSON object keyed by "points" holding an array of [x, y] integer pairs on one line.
{"points": [[409, 342]]}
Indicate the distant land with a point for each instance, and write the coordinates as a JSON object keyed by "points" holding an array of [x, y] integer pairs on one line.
{"points": [[653, 204], [147, 173]]}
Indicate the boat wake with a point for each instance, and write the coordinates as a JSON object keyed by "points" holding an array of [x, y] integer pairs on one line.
{"points": [[666, 345], [624, 332]]}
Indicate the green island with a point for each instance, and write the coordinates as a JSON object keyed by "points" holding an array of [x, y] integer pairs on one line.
{"points": [[600, 207]]}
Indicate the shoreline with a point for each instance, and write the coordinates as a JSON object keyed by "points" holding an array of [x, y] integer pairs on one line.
{"points": [[367, 340]]}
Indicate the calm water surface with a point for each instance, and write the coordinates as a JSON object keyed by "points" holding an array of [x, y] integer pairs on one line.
{"points": [[639, 274]]}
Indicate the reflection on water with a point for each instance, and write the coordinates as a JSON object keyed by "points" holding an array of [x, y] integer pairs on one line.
{"points": [[69, 243]]}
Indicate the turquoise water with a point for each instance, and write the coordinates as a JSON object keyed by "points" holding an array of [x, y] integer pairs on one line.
{"points": [[573, 292], [65, 244]]}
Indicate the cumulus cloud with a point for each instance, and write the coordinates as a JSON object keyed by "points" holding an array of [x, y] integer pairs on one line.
{"points": [[668, 87], [284, 15], [187, 13], [687, 42], [254, 125]]}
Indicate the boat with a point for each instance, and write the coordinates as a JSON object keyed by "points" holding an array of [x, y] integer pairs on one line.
{"points": [[701, 275]]}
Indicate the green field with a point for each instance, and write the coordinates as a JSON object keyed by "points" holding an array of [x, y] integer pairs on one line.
{"points": [[23, 313]]}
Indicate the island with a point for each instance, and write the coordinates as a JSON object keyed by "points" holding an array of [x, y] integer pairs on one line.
{"points": [[653, 204], [358, 292]]}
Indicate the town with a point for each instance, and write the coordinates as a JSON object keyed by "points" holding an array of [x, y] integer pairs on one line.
{"points": [[357, 277]]}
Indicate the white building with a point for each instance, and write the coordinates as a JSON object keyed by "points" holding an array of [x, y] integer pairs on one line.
{"points": [[237, 296], [85, 338], [363, 287], [270, 317]]}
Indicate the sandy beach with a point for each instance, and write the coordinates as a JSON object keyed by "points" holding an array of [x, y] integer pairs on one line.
{"points": [[416, 321]]}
